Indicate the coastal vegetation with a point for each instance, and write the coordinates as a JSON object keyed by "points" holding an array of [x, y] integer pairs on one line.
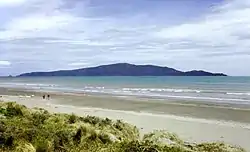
{"points": [[36, 130]]}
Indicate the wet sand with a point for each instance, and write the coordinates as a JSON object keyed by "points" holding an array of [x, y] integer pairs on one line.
{"points": [[191, 121]]}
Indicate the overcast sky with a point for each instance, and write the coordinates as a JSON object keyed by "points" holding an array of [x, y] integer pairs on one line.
{"points": [[44, 35]]}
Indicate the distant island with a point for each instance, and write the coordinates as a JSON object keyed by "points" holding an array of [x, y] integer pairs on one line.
{"points": [[123, 69]]}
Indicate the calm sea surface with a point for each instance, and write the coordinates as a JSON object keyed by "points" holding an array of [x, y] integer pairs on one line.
{"points": [[214, 89]]}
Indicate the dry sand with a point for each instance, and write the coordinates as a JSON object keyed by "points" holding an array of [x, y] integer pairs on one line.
{"points": [[189, 128]]}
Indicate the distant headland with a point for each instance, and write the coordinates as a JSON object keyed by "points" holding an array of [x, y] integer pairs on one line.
{"points": [[123, 69]]}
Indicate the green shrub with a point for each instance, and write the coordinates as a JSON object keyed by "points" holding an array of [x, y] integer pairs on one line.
{"points": [[13, 110], [43, 145], [72, 119], [39, 118], [91, 120], [25, 147]]}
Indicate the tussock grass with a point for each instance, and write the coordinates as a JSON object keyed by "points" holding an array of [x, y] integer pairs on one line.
{"points": [[36, 130]]}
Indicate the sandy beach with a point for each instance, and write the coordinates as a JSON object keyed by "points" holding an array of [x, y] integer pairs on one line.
{"points": [[192, 122]]}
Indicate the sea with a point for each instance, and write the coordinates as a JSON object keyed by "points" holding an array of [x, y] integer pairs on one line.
{"points": [[226, 90]]}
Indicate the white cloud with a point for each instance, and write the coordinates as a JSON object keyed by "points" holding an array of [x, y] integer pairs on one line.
{"points": [[5, 63], [4, 3], [78, 64], [39, 22], [55, 35], [226, 26], [42, 18]]}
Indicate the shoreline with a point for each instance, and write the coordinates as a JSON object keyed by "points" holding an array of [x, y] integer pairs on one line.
{"points": [[180, 108], [236, 102]]}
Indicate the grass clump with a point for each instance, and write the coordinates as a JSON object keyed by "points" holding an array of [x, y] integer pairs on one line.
{"points": [[36, 130]]}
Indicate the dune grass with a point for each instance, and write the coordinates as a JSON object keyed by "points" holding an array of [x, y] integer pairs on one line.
{"points": [[36, 130]]}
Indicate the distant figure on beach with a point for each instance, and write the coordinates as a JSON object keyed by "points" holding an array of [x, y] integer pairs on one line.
{"points": [[43, 96], [48, 96]]}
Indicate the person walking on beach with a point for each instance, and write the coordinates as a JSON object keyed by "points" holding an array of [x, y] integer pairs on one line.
{"points": [[43, 96], [48, 96]]}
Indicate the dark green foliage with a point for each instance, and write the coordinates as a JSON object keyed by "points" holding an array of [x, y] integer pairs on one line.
{"points": [[23, 129], [42, 147], [39, 117], [9, 141], [2, 111], [78, 136], [91, 120], [29, 134], [14, 110], [2, 127], [93, 136], [104, 138], [119, 125], [214, 147], [72, 119], [137, 146]]}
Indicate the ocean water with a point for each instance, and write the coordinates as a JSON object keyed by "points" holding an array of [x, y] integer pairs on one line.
{"points": [[205, 89]]}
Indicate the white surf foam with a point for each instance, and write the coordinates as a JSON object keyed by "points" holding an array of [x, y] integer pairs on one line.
{"points": [[161, 90], [239, 93]]}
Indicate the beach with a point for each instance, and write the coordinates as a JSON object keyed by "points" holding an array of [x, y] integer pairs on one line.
{"points": [[194, 122]]}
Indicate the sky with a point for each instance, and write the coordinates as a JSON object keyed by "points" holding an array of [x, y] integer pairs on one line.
{"points": [[47, 35]]}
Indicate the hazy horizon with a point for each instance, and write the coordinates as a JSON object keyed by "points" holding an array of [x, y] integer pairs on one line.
{"points": [[38, 35]]}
